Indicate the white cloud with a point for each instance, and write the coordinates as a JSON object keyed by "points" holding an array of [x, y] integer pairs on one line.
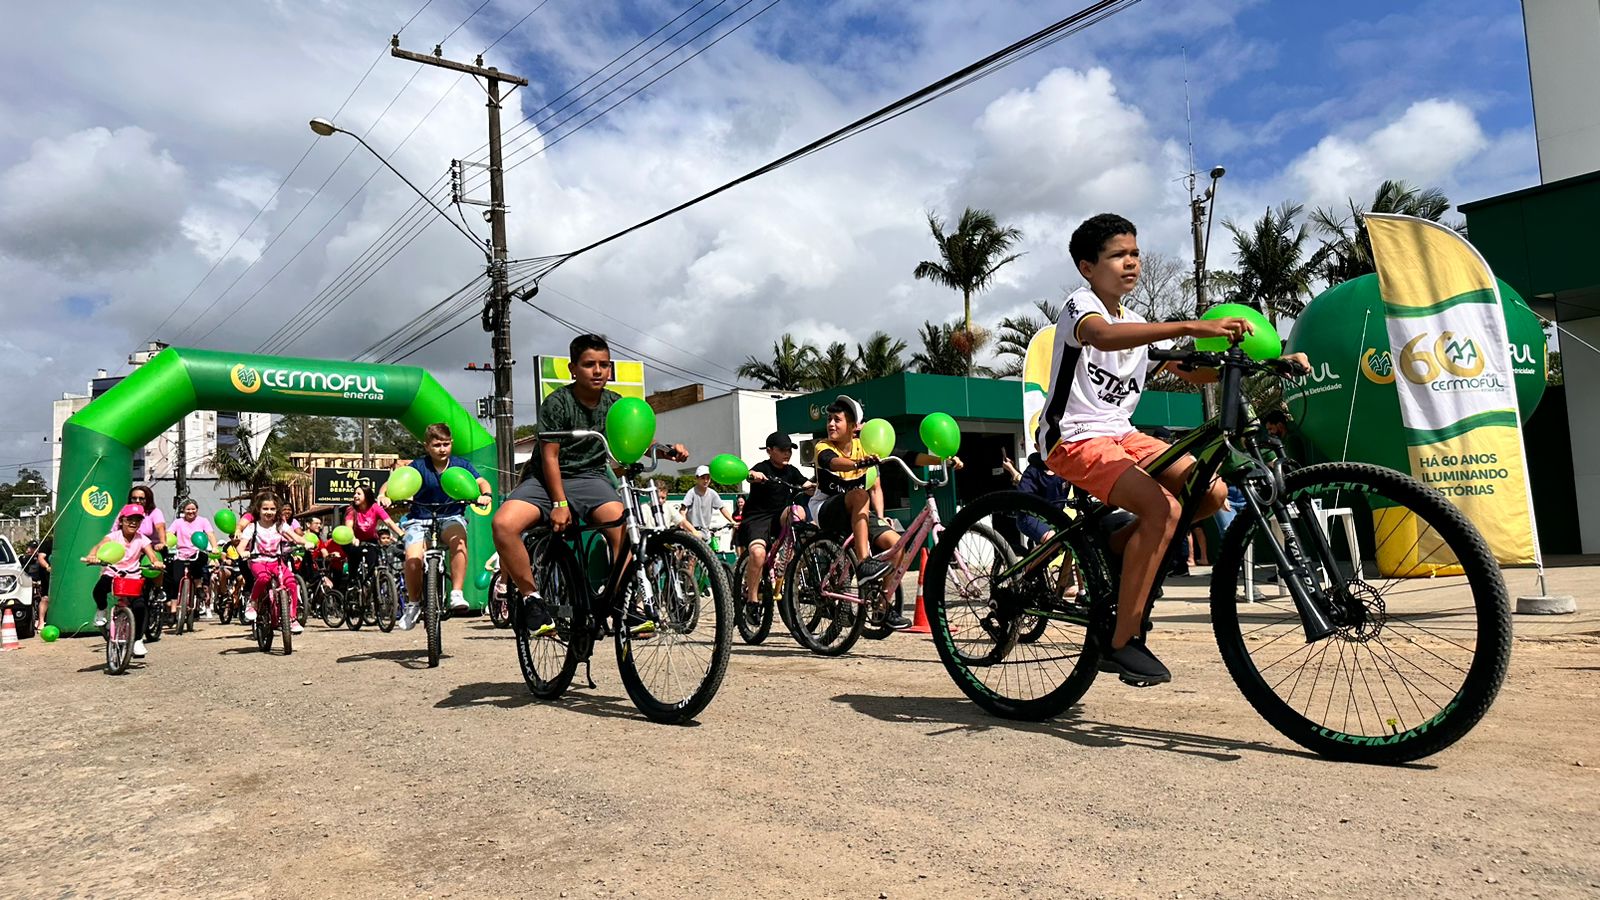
{"points": [[1426, 145], [92, 198]]}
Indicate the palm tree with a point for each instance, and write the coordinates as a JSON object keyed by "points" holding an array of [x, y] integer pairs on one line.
{"points": [[880, 357], [1016, 332], [247, 471], [969, 257], [788, 369], [832, 369], [1274, 273], [941, 355], [1348, 252]]}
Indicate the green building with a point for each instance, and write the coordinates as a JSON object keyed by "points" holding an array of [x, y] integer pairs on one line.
{"points": [[989, 411]]}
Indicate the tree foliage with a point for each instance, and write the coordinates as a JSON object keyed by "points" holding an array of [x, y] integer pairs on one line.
{"points": [[788, 368], [1348, 250], [1275, 273], [969, 256]]}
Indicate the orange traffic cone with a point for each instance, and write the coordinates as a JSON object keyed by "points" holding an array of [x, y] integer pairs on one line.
{"points": [[8, 634], [919, 620]]}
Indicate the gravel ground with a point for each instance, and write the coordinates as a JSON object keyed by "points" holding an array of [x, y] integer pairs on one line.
{"points": [[348, 769]]}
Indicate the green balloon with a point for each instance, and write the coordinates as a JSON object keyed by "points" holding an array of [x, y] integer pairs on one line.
{"points": [[403, 483], [940, 434], [482, 579], [150, 572], [1263, 344], [871, 478], [49, 633], [630, 429], [199, 540], [226, 520], [877, 437], [728, 469], [111, 553], [343, 534], [172, 539], [1345, 335], [459, 483]]}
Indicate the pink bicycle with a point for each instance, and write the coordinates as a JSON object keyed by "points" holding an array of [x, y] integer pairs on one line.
{"points": [[828, 614], [755, 619]]}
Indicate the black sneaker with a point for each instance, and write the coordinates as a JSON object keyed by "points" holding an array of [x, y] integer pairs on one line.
{"points": [[535, 616], [1136, 665], [870, 571], [897, 621]]}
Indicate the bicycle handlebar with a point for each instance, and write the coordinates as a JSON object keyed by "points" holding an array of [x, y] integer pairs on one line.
{"points": [[583, 434], [1190, 359], [904, 466]]}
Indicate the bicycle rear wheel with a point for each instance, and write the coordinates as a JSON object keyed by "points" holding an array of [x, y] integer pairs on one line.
{"points": [[119, 640], [300, 591], [431, 612], [386, 601], [262, 628], [978, 620], [753, 619], [549, 661], [827, 626], [675, 637], [222, 596], [1422, 625]]}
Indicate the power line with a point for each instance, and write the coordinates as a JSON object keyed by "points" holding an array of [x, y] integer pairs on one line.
{"points": [[465, 21], [641, 332], [298, 213], [960, 78], [513, 28], [670, 368], [413, 18]]}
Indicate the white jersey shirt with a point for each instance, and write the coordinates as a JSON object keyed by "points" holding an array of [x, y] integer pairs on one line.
{"points": [[1093, 392]]}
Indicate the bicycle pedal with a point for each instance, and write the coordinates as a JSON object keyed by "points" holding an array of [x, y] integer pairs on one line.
{"points": [[1134, 682]]}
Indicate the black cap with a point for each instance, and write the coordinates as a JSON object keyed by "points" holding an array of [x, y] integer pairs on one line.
{"points": [[778, 441]]}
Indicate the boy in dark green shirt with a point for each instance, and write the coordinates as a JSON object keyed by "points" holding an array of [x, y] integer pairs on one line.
{"points": [[567, 476]]}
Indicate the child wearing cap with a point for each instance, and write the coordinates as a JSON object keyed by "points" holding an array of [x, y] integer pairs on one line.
{"points": [[701, 505], [136, 549], [773, 482]]}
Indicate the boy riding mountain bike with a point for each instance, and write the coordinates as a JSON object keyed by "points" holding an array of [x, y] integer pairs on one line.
{"points": [[567, 479], [1098, 373], [432, 504], [773, 482]]}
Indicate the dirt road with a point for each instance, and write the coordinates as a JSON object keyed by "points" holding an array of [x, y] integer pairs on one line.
{"points": [[349, 770]]}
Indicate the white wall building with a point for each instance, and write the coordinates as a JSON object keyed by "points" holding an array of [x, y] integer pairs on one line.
{"points": [[737, 422], [1564, 67]]}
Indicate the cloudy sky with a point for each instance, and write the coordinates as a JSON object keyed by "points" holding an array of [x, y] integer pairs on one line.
{"points": [[143, 145]]}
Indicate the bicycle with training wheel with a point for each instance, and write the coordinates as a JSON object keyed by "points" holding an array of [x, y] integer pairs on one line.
{"points": [[672, 643], [754, 620], [828, 615], [1388, 648], [278, 616]]}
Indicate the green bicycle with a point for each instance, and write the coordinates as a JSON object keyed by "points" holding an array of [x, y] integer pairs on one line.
{"points": [[1390, 645]]}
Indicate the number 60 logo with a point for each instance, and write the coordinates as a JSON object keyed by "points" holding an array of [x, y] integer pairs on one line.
{"points": [[1458, 356]]}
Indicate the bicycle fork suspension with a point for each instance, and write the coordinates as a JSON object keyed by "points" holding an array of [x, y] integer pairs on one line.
{"points": [[1310, 601]]}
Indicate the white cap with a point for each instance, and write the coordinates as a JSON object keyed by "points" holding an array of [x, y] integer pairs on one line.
{"points": [[703, 470]]}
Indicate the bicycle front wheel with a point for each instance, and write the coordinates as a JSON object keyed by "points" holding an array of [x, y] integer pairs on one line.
{"points": [[285, 618], [333, 609], [119, 640], [1422, 625], [677, 629], [978, 617], [499, 601], [753, 619], [386, 601], [185, 606], [431, 613], [816, 589]]}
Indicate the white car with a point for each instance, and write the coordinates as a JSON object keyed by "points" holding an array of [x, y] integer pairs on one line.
{"points": [[16, 589]]}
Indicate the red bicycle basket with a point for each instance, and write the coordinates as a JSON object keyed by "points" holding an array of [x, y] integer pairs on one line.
{"points": [[128, 588]]}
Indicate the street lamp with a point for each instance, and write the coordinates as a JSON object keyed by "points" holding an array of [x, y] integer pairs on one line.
{"points": [[325, 128]]}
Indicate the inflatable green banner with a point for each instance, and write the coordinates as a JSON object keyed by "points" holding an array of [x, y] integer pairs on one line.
{"points": [[98, 443]]}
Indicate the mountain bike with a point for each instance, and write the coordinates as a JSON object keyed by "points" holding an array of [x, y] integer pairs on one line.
{"points": [[672, 643], [828, 615], [278, 615], [1388, 648], [755, 619]]}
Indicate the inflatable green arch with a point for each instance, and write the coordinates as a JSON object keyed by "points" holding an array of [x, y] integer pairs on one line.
{"points": [[98, 442]]}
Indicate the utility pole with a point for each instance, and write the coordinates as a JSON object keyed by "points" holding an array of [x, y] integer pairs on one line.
{"points": [[497, 316], [1201, 207], [366, 443], [180, 475]]}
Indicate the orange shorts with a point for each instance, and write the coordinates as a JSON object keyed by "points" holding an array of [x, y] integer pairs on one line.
{"points": [[1095, 464]]}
